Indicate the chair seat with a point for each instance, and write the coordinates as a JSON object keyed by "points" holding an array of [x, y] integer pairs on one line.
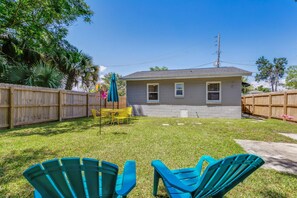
{"points": [[189, 176], [219, 177]]}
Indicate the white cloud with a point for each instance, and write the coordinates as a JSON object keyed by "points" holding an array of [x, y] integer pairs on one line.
{"points": [[267, 85], [102, 68], [101, 76], [263, 83]]}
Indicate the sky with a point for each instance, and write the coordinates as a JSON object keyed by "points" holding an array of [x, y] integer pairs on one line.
{"points": [[134, 35]]}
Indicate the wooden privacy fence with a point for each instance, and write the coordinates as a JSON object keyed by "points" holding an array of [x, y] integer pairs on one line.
{"points": [[22, 105], [271, 105]]}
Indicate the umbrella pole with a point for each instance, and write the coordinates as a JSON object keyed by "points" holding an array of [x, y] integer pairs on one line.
{"points": [[100, 114]]}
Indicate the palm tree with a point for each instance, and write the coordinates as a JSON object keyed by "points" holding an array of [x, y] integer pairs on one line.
{"points": [[44, 75], [77, 67], [40, 74]]}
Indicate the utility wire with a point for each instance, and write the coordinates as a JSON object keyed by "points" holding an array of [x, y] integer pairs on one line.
{"points": [[203, 64], [244, 64], [176, 53]]}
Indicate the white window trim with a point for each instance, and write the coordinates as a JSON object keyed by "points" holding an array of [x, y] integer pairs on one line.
{"points": [[179, 96], [220, 96], [147, 93]]}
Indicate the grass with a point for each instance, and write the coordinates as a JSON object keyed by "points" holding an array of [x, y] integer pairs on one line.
{"points": [[143, 140]]}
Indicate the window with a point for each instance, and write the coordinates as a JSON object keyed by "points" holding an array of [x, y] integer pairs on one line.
{"points": [[179, 90], [213, 92], [153, 92]]}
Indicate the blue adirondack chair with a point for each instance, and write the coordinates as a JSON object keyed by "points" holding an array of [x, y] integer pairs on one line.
{"points": [[217, 179], [73, 177]]}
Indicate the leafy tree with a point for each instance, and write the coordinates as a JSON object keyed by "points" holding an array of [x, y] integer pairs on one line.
{"points": [[245, 86], [120, 83], [263, 89], [39, 23], [291, 79], [32, 32], [157, 68], [271, 72]]}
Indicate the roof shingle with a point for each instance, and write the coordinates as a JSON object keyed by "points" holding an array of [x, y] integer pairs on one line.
{"points": [[188, 73]]}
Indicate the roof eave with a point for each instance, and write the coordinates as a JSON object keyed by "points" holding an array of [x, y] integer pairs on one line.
{"points": [[187, 77]]}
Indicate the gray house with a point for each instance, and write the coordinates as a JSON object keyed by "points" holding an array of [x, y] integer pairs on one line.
{"points": [[204, 92]]}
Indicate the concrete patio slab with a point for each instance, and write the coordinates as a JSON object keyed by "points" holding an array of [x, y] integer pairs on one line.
{"points": [[290, 135], [278, 156]]}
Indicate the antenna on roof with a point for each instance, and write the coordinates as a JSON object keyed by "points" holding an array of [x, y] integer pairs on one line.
{"points": [[218, 61]]}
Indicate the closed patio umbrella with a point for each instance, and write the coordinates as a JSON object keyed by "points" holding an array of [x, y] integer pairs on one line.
{"points": [[113, 95]]}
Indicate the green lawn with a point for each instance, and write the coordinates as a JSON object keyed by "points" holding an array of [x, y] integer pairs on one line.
{"points": [[143, 140]]}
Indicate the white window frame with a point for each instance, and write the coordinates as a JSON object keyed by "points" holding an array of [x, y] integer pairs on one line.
{"points": [[220, 93], [147, 93], [179, 96]]}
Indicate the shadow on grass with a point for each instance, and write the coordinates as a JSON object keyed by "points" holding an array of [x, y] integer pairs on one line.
{"points": [[272, 194], [13, 164], [287, 165], [49, 129], [119, 133]]}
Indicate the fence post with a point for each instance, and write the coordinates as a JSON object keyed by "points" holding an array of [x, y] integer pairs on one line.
{"points": [[244, 104], [60, 105], [270, 106], [11, 107], [87, 105], [253, 105], [285, 103]]}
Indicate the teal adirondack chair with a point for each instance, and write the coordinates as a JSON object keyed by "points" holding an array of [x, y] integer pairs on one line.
{"points": [[217, 179], [73, 177]]}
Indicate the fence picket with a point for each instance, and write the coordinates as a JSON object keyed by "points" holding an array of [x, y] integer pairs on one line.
{"points": [[271, 105], [22, 105]]}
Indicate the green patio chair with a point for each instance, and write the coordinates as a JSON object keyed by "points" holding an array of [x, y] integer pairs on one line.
{"points": [[73, 177], [216, 180]]}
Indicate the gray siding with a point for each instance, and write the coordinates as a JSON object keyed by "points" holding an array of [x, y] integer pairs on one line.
{"points": [[194, 98]]}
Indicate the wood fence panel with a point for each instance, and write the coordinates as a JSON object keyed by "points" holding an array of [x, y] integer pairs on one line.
{"points": [[292, 99], [277, 99], [94, 102], [22, 105], [33, 106], [271, 105], [4, 107], [122, 103], [74, 105]]}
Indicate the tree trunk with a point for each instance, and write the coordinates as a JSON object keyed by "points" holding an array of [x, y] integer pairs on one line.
{"points": [[70, 81]]}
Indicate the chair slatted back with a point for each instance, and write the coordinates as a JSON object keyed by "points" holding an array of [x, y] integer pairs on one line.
{"points": [[105, 112], [72, 177], [94, 113], [129, 111], [223, 175]]}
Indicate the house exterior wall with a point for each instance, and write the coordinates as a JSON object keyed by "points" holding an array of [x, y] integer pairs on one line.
{"points": [[193, 102]]}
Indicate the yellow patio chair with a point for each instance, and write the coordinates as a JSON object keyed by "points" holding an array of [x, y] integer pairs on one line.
{"points": [[122, 116], [105, 113], [129, 112], [94, 114]]}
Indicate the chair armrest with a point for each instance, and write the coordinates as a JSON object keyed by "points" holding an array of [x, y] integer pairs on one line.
{"points": [[129, 178], [166, 174], [203, 159]]}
